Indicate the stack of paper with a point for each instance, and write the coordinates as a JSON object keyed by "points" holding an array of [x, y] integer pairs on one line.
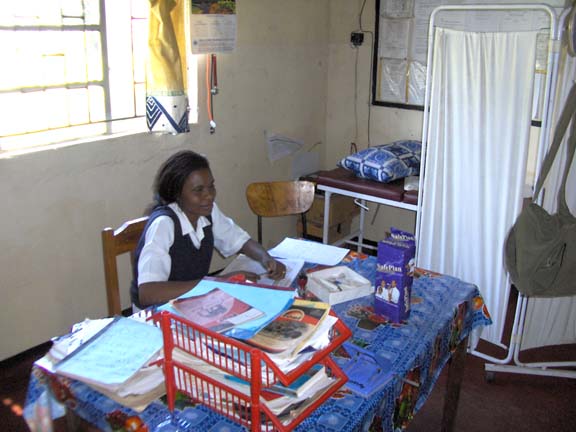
{"points": [[285, 406], [111, 357], [309, 251], [102, 354]]}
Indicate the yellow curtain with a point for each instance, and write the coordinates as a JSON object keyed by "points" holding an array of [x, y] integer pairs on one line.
{"points": [[166, 76]]}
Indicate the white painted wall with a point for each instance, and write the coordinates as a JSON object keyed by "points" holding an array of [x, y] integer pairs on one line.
{"points": [[386, 124], [292, 73], [55, 202]]}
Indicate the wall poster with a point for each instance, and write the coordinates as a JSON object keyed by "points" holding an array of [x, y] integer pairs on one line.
{"points": [[213, 26]]}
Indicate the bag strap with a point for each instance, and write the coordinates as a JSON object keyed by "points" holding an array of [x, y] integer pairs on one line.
{"points": [[563, 208], [568, 112]]}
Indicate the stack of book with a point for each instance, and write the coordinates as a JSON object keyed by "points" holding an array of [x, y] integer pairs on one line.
{"points": [[285, 402], [293, 342], [288, 329], [102, 354]]}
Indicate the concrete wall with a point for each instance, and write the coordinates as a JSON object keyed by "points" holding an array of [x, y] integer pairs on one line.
{"points": [[351, 118], [56, 202], [293, 73]]}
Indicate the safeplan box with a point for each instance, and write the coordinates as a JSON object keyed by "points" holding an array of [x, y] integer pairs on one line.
{"points": [[394, 276]]}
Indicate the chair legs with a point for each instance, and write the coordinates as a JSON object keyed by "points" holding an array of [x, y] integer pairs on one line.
{"points": [[260, 229]]}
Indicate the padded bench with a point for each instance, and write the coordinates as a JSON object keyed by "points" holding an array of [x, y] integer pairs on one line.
{"points": [[343, 182]]}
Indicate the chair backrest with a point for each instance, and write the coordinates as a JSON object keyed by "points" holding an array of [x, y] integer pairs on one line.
{"points": [[280, 198], [116, 242]]}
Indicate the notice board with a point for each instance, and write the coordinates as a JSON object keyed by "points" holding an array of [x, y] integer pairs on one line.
{"points": [[401, 45]]}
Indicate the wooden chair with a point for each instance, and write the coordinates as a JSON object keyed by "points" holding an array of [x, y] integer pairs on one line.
{"points": [[281, 198], [117, 242]]}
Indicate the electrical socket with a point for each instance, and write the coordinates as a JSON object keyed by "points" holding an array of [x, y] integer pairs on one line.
{"points": [[357, 38]]}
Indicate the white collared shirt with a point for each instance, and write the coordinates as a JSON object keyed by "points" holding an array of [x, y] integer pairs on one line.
{"points": [[155, 263]]}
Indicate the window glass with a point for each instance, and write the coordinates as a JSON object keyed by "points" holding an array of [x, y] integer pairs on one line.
{"points": [[66, 70]]}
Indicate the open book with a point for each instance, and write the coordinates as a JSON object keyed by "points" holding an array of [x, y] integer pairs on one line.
{"points": [[216, 310], [290, 332]]}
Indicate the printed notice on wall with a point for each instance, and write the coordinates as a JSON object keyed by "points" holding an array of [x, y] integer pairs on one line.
{"points": [[213, 26]]}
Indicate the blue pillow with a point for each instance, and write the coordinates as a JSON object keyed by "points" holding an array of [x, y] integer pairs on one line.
{"points": [[387, 162]]}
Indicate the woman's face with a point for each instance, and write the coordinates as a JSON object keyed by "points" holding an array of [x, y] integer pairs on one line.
{"points": [[198, 193]]}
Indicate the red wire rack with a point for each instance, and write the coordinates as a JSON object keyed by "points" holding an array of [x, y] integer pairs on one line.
{"points": [[245, 362]]}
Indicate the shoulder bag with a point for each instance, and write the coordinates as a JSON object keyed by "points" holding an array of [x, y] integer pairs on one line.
{"points": [[540, 249]]}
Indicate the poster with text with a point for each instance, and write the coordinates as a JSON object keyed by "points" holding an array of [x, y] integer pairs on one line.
{"points": [[213, 26]]}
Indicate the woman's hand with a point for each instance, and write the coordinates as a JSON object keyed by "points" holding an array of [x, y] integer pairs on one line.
{"points": [[276, 270]]}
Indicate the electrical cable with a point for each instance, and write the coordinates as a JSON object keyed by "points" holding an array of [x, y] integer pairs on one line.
{"points": [[361, 29], [360, 16], [214, 75], [209, 94], [356, 96]]}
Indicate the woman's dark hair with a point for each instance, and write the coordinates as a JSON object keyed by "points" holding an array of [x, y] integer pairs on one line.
{"points": [[172, 175]]}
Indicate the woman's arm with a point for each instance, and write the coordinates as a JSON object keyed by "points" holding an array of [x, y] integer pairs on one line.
{"points": [[160, 292], [253, 249]]}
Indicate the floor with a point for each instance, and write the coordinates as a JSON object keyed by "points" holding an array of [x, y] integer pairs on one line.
{"points": [[511, 402]]}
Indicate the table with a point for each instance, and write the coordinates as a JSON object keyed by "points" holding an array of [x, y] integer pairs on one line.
{"points": [[444, 312], [343, 182]]}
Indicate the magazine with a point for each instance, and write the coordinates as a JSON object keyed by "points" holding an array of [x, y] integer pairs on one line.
{"points": [[309, 379], [283, 406], [216, 310], [290, 332]]}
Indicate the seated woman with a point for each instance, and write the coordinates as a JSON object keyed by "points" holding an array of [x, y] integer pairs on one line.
{"points": [[185, 225]]}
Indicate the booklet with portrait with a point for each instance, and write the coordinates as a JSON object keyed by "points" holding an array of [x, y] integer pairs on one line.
{"points": [[216, 310], [290, 332]]}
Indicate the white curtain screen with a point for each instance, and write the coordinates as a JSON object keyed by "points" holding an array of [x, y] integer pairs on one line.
{"points": [[477, 146], [553, 321]]}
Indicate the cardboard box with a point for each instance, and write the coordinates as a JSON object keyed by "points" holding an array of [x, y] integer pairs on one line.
{"points": [[393, 282], [335, 232], [342, 209], [338, 284]]}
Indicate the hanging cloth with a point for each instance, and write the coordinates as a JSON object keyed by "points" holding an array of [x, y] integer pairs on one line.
{"points": [[166, 83], [476, 158]]}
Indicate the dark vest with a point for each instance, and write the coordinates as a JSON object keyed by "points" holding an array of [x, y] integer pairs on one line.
{"points": [[188, 263]]}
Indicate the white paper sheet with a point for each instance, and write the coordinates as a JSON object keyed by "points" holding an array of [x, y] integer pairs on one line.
{"points": [[309, 251], [244, 263], [212, 33]]}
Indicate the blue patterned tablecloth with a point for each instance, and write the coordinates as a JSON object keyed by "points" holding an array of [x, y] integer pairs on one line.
{"points": [[444, 311]]}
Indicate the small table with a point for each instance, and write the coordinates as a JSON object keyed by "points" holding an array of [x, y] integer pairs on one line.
{"points": [[444, 312]]}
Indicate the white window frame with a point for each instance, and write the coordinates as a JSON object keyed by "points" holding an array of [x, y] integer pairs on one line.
{"points": [[31, 140]]}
